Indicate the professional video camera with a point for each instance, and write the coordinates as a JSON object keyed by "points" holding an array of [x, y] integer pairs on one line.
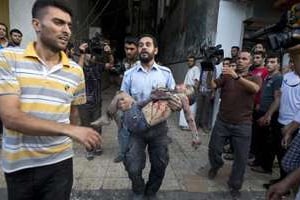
{"points": [[96, 44], [285, 33], [212, 56]]}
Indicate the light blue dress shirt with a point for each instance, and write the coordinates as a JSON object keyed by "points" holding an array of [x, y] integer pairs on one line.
{"points": [[139, 83]]}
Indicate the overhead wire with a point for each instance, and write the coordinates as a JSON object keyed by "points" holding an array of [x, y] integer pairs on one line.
{"points": [[88, 16], [95, 19]]}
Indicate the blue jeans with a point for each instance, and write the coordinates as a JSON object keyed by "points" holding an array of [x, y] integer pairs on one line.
{"points": [[123, 138], [134, 120], [156, 141]]}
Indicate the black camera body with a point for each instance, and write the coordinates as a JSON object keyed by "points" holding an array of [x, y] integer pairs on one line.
{"points": [[284, 39], [96, 45], [213, 55], [285, 33]]}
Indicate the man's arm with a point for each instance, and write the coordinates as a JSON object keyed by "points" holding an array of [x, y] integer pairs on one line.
{"points": [[248, 85], [17, 120], [74, 116], [277, 191], [266, 119], [82, 51]]}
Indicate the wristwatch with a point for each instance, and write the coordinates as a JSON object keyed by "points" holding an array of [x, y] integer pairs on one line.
{"points": [[237, 78]]}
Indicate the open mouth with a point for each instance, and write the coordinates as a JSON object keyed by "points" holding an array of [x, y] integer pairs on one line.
{"points": [[64, 39]]}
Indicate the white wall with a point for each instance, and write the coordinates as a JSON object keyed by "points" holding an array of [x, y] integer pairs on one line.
{"points": [[230, 24], [230, 32], [20, 18]]}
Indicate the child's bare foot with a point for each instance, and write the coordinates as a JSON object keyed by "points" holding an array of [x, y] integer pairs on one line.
{"points": [[196, 143], [102, 121]]}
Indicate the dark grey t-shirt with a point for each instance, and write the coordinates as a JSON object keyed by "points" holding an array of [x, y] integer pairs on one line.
{"points": [[271, 84]]}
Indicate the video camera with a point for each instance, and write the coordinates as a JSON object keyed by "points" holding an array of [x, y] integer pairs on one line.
{"points": [[96, 44], [285, 33], [212, 56]]}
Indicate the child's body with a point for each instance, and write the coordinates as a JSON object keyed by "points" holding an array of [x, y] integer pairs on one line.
{"points": [[153, 111]]}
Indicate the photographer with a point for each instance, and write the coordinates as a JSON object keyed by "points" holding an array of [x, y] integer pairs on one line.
{"points": [[237, 91], [93, 62]]}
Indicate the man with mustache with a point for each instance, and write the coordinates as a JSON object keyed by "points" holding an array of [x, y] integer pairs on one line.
{"points": [[234, 119], [39, 91], [139, 81]]}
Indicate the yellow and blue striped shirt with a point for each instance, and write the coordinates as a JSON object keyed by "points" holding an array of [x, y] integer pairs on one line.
{"points": [[45, 93]]}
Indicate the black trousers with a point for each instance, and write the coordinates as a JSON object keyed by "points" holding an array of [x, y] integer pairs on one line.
{"points": [[156, 141], [268, 142], [41, 183]]}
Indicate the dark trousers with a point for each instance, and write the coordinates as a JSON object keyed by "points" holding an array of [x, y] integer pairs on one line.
{"points": [[204, 110], [240, 136], [89, 113], [279, 151], [254, 147], [41, 183], [156, 141], [268, 143]]}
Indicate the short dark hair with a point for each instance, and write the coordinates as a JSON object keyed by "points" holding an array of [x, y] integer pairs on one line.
{"points": [[1, 23], [227, 59], [235, 47], [191, 56], [150, 36], [39, 5], [274, 55], [131, 40], [15, 31]]}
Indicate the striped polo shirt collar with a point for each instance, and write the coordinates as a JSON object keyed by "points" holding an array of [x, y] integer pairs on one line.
{"points": [[31, 52]]}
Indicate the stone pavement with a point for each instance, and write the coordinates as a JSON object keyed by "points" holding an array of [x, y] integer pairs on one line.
{"points": [[186, 175]]}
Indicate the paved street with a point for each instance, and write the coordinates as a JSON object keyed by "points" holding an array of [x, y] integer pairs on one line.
{"points": [[186, 175]]}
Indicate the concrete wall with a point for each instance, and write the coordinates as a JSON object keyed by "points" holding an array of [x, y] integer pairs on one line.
{"points": [[230, 24], [20, 18], [187, 26]]}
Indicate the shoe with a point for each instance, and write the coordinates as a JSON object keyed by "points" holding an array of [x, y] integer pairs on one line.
{"points": [[118, 159], [98, 151], [102, 121], [137, 196], [212, 173], [235, 194], [228, 156], [227, 149], [259, 169], [89, 155], [185, 128]]}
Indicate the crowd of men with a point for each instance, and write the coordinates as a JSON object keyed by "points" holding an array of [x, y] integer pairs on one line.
{"points": [[258, 118]]}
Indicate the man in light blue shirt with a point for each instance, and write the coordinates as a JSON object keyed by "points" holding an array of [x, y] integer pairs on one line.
{"points": [[139, 81]]}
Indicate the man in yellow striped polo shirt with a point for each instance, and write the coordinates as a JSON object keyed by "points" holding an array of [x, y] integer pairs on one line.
{"points": [[39, 91]]}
